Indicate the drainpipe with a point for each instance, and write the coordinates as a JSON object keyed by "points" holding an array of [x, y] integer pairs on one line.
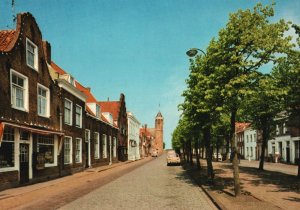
{"points": [[60, 148]]}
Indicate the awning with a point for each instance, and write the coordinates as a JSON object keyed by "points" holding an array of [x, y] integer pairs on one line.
{"points": [[1, 131], [33, 130]]}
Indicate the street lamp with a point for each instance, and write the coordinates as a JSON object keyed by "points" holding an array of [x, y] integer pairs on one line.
{"points": [[193, 51]]}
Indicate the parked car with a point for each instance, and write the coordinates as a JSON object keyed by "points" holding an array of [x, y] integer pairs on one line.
{"points": [[173, 159], [219, 156]]}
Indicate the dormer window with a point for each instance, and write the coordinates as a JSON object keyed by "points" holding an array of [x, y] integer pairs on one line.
{"points": [[97, 111], [31, 55], [72, 80]]}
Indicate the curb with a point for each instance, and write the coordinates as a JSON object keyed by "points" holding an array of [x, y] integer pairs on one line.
{"points": [[213, 200]]}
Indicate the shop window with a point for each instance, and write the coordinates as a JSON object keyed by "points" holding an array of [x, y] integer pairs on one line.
{"points": [[7, 149], [45, 146]]}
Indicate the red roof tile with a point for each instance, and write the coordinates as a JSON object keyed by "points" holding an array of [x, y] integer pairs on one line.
{"points": [[241, 126], [57, 68], [110, 106], [7, 39]]}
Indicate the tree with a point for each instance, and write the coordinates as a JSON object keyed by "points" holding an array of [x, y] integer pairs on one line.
{"points": [[261, 106], [287, 74], [247, 42]]}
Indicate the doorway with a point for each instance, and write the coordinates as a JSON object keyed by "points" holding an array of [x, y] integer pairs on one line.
{"points": [[24, 163]]}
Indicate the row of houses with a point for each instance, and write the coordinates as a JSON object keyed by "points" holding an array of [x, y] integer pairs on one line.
{"points": [[284, 146], [50, 124]]}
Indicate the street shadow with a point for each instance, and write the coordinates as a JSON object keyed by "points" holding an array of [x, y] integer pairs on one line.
{"points": [[293, 199]]}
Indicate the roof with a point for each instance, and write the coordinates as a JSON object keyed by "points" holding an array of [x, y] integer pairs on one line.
{"points": [[7, 39], [145, 131], [57, 68], [86, 91], [241, 126], [110, 106], [159, 114]]}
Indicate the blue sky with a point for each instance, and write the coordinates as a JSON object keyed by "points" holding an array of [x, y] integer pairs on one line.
{"points": [[135, 47]]}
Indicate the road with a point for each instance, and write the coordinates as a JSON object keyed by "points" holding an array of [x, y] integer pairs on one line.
{"points": [[151, 186]]}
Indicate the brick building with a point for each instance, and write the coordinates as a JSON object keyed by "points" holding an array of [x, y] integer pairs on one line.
{"points": [[119, 117], [50, 125], [30, 121]]}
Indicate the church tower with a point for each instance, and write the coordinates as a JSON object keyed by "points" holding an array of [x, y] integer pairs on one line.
{"points": [[159, 132]]}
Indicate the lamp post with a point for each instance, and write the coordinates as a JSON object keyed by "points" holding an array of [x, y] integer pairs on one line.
{"points": [[193, 51]]}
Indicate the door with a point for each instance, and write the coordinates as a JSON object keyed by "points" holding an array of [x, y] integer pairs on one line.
{"points": [[24, 163], [287, 154], [87, 155]]}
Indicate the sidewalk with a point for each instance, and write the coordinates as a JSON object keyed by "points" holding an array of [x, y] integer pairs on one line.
{"points": [[275, 188], [62, 190]]}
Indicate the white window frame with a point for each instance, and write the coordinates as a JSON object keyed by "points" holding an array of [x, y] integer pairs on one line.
{"points": [[71, 112], [47, 102], [36, 65], [80, 123], [80, 150], [96, 146], [25, 91], [104, 145], [114, 147], [71, 148]]}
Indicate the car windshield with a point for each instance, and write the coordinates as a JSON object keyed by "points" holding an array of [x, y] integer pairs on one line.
{"points": [[172, 155]]}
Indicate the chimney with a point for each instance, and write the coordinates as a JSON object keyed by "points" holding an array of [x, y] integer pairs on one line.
{"points": [[47, 51], [107, 98]]}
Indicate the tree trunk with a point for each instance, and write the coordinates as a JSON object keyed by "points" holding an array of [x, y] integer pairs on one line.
{"points": [[207, 139], [191, 152], [217, 147], [299, 159], [237, 188], [227, 147], [202, 152], [197, 153], [264, 145]]}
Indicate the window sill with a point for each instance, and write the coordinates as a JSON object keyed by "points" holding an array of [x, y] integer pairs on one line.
{"points": [[50, 165], [36, 69], [68, 124], [67, 163], [8, 169], [20, 109], [44, 116]]}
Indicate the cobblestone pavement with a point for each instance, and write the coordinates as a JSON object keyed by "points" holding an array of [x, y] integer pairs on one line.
{"points": [[151, 186]]}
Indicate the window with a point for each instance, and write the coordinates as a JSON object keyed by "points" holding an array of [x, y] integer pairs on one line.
{"points": [[96, 145], [7, 148], [97, 111], [43, 101], [114, 147], [19, 91], [45, 146], [67, 150], [31, 55], [68, 112], [78, 150], [104, 146], [78, 113], [87, 135]]}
